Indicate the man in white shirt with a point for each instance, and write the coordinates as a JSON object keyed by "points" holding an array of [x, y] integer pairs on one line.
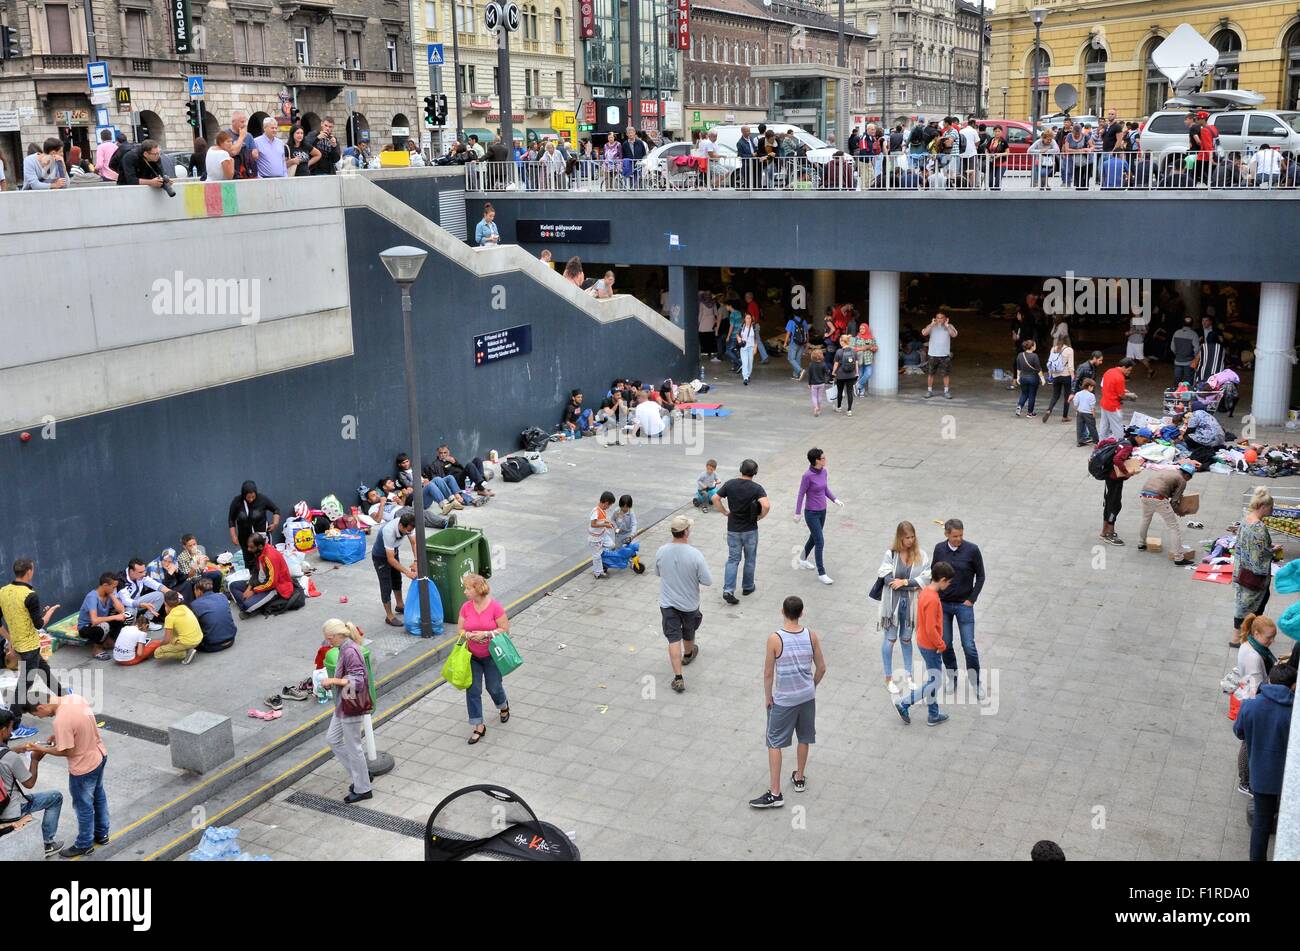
{"points": [[649, 421], [708, 147], [1268, 165], [970, 138], [939, 351]]}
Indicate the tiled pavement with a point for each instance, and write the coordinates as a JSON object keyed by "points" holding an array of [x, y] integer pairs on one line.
{"points": [[1105, 731]]}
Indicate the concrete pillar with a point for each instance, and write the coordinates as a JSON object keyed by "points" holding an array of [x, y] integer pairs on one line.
{"points": [[1274, 353], [823, 295], [1190, 293], [683, 307], [882, 314]]}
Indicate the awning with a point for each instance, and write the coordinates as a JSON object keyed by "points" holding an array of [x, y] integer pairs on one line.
{"points": [[542, 134], [484, 136]]}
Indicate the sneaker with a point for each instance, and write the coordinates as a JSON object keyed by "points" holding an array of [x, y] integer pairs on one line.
{"points": [[836, 408], [902, 712], [746, 592], [799, 784], [602, 576], [894, 688], [679, 685], [1017, 410], [1184, 562], [1046, 416], [947, 395], [101, 840], [52, 847], [1114, 539], [937, 719], [189, 655], [715, 360], [1245, 790], [929, 394], [768, 801], [23, 732], [154, 626], [825, 579], [1142, 546], [1027, 415], [352, 797], [76, 851], [730, 598], [850, 412], [805, 563]]}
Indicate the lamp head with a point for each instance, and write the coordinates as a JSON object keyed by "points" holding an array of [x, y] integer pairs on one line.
{"points": [[403, 263], [1038, 14]]}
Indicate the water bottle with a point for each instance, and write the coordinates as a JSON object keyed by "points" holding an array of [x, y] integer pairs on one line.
{"points": [[469, 485]]}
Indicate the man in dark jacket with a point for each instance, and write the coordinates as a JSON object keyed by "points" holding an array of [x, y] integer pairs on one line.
{"points": [[959, 599], [142, 165], [323, 141], [1264, 723]]}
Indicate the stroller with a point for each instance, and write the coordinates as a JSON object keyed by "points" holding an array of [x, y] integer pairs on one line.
{"points": [[625, 557]]}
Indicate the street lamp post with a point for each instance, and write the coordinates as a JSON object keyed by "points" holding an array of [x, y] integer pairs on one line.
{"points": [[1037, 14], [455, 62], [1005, 90], [403, 264]]}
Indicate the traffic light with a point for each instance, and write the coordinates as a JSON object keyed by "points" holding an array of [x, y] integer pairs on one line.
{"points": [[430, 110], [442, 109], [9, 48], [192, 114], [294, 115]]}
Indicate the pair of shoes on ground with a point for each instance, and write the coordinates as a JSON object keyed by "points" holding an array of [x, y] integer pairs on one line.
{"points": [[768, 801]]}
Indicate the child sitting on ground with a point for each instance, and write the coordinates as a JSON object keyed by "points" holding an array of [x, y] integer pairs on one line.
{"points": [[624, 522], [706, 486], [133, 645]]}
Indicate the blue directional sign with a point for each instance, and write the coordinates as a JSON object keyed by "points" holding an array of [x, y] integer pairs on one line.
{"points": [[101, 117], [195, 86], [97, 74], [435, 54]]}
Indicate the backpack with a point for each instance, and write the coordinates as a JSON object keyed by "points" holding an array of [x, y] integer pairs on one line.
{"points": [[7, 795], [1102, 461], [115, 160], [800, 335], [534, 439], [515, 469]]}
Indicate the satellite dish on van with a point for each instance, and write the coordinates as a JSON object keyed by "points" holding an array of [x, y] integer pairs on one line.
{"points": [[1185, 58], [1066, 97]]}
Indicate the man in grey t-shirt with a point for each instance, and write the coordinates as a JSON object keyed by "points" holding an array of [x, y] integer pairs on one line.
{"points": [[681, 569], [16, 776], [1184, 345]]}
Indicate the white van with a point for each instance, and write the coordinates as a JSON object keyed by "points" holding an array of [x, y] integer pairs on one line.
{"points": [[818, 151], [1240, 130]]}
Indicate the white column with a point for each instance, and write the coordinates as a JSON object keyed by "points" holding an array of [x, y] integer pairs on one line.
{"points": [[823, 295], [882, 314], [1274, 353]]}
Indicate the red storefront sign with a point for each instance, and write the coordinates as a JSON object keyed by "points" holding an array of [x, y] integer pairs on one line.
{"points": [[589, 112], [649, 107], [587, 19], [683, 24]]}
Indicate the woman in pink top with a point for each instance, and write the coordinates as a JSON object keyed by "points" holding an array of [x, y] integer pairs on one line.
{"points": [[481, 619]]}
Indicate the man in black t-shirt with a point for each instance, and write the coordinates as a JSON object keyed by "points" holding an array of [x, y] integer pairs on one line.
{"points": [[746, 505], [330, 153], [1110, 131]]}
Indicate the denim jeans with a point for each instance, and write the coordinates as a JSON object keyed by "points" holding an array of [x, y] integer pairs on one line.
{"points": [[443, 488], [1085, 427], [739, 543], [929, 690], [816, 520], [864, 377], [1184, 374], [966, 625], [1028, 392], [902, 631], [746, 362], [794, 355], [52, 805], [91, 805], [762, 350], [483, 669], [1262, 827]]}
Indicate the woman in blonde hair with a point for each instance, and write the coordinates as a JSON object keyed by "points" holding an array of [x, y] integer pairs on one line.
{"points": [[346, 733], [905, 571], [481, 619], [1253, 554], [1255, 661]]}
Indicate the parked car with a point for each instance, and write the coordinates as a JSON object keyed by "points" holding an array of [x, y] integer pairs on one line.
{"points": [[1019, 136], [1240, 130], [819, 152], [657, 168]]}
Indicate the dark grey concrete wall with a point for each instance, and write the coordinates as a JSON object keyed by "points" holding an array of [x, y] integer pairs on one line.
{"points": [[131, 481], [1199, 236]]}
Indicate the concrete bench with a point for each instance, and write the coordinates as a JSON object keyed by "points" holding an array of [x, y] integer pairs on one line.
{"points": [[201, 742], [23, 845]]}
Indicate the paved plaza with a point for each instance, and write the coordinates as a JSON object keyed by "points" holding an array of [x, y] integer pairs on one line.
{"points": [[1105, 728]]}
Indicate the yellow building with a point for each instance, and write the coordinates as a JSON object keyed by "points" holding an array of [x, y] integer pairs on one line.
{"points": [[1103, 48]]}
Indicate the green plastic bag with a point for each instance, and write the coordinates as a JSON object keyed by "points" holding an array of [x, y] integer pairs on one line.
{"points": [[456, 668], [504, 654]]}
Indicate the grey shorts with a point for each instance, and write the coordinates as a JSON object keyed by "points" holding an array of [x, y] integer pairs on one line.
{"points": [[784, 722], [680, 625]]}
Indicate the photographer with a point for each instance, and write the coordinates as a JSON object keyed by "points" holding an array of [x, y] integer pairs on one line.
{"points": [[324, 142], [142, 165]]}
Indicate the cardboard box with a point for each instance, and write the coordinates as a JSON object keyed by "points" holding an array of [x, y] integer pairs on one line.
{"points": [[1190, 504], [1154, 543]]}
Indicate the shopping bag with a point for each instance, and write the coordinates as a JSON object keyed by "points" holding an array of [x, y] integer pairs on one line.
{"points": [[411, 617], [504, 654], [346, 548], [832, 393], [455, 670], [1287, 579]]}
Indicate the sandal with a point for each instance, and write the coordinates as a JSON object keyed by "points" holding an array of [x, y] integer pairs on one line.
{"points": [[687, 658], [395, 622], [104, 655], [679, 684], [265, 714], [505, 715], [479, 732]]}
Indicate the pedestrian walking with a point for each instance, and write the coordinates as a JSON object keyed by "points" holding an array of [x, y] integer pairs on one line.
{"points": [[76, 739], [902, 574], [1060, 372], [1114, 390], [959, 598], [939, 352], [745, 503], [1253, 556], [346, 733], [817, 377], [792, 669], [1117, 474], [796, 340], [846, 373], [481, 619], [747, 343], [600, 533], [681, 569], [810, 504], [1085, 419], [1029, 374], [1264, 724], [933, 644], [864, 348], [1255, 661], [1161, 495]]}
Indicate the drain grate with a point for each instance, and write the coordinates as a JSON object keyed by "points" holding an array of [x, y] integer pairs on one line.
{"points": [[366, 817], [135, 730], [896, 463]]}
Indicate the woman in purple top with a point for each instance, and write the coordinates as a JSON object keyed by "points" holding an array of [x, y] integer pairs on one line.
{"points": [[814, 492]]}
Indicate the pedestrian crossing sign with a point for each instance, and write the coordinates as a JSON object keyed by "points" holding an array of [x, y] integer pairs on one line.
{"points": [[195, 86]]}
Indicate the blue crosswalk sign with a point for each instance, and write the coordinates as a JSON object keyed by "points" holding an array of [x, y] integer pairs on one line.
{"points": [[195, 86], [435, 54]]}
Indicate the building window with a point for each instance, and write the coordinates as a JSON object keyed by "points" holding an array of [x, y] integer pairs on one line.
{"points": [[431, 16], [557, 24], [468, 80], [758, 92], [1154, 82], [715, 49], [348, 45], [871, 59], [301, 47], [250, 42], [464, 16], [902, 59], [690, 86], [714, 98], [559, 83], [735, 93], [1039, 95], [496, 80], [136, 38], [746, 54], [1094, 81], [1292, 47], [392, 55], [59, 25], [1227, 72]]}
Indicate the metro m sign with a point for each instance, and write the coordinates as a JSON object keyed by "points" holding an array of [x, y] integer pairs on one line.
{"points": [[587, 19], [683, 23]]}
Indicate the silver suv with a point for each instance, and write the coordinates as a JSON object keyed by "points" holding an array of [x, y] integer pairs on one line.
{"points": [[1240, 130]]}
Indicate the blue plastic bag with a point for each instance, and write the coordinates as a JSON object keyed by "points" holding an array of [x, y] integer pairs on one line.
{"points": [[346, 548], [411, 619], [1289, 622], [1287, 579]]}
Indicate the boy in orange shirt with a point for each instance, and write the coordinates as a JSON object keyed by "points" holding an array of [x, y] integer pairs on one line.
{"points": [[929, 640]]}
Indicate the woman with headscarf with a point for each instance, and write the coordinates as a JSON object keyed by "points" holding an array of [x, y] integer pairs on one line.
{"points": [[251, 511], [346, 731]]}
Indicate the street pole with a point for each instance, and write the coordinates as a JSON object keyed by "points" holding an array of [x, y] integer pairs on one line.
{"points": [[839, 39], [91, 47], [634, 47], [1038, 32], [951, 60], [658, 95], [503, 92], [417, 498], [979, 69], [455, 65]]}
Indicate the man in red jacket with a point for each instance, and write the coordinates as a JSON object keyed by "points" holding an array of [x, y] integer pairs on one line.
{"points": [[270, 578]]}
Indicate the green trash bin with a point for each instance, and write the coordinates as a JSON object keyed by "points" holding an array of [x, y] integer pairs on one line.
{"points": [[453, 554]]}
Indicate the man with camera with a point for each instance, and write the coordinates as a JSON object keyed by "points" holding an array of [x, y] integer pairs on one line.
{"points": [[323, 140], [142, 165]]}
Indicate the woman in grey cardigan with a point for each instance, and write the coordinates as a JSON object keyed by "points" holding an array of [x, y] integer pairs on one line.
{"points": [[905, 571], [346, 734]]}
